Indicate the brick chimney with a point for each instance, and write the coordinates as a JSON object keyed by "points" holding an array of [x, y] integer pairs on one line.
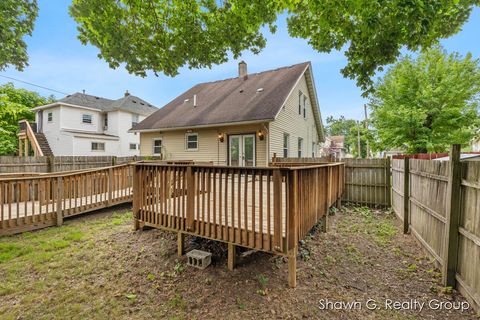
{"points": [[242, 70], [127, 93]]}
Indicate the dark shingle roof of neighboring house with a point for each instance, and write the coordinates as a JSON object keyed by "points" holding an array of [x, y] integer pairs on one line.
{"points": [[128, 103], [257, 97]]}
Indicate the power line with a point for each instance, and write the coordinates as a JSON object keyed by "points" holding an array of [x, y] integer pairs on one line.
{"points": [[35, 85]]}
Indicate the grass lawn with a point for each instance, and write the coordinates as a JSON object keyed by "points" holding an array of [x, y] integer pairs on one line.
{"points": [[96, 267]]}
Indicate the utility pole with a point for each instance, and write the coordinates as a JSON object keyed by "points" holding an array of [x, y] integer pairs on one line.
{"points": [[366, 131], [359, 149]]}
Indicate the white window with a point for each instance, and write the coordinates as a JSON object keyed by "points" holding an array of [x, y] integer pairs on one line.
{"points": [[304, 107], [105, 121], [191, 141], [134, 119], [50, 117], [87, 118], [300, 95], [133, 146], [286, 143], [98, 146], [157, 147], [300, 147]]}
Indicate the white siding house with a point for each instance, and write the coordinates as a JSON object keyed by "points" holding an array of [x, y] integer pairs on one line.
{"points": [[85, 125]]}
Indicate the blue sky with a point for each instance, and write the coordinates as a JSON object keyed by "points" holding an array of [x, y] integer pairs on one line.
{"points": [[59, 61]]}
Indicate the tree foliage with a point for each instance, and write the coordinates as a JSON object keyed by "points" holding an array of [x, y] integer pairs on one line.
{"points": [[428, 103], [15, 105], [17, 18], [162, 36]]}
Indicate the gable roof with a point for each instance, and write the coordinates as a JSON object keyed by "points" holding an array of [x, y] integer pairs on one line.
{"points": [[128, 103], [255, 98]]}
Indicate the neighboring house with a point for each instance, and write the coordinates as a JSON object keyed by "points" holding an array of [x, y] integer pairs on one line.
{"points": [[463, 157], [241, 121], [85, 125], [334, 146]]}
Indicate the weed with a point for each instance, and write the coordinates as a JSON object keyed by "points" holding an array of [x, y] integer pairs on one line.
{"points": [[150, 277], [177, 302], [240, 304], [262, 280], [130, 296]]}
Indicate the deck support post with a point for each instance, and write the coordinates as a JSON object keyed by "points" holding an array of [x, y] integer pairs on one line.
{"points": [[232, 255], [110, 186], [180, 244], [292, 267]]}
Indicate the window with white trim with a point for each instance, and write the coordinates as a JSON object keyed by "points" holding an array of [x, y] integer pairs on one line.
{"points": [[98, 146], [87, 118], [286, 143], [50, 117], [300, 147], [191, 141], [300, 95], [157, 147], [304, 106], [135, 119]]}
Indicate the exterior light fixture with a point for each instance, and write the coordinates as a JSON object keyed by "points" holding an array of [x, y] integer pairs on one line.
{"points": [[221, 137], [260, 135]]}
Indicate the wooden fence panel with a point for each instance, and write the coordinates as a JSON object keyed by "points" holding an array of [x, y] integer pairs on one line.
{"points": [[9, 164], [367, 181], [428, 196], [468, 274], [398, 187]]}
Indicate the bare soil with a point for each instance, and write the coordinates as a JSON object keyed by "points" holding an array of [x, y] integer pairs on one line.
{"points": [[95, 267]]}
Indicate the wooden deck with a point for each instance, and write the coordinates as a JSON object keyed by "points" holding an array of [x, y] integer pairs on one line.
{"points": [[38, 201], [267, 209]]}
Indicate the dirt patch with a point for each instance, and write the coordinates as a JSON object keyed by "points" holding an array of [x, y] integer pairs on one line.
{"points": [[109, 271]]}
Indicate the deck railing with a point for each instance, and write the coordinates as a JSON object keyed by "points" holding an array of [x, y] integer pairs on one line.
{"points": [[266, 209], [28, 203]]}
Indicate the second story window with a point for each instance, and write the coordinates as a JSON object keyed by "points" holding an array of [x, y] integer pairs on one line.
{"points": [[87, 118], [304, 107], [134, 119], [300, 100], [133, 146], [105, 122], [286, 142], [50, 117], [300, 147]]}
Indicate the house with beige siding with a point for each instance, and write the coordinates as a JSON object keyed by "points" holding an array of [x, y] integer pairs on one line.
{"points": [[241, 121]]}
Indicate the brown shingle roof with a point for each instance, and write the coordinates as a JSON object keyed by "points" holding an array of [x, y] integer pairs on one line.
{"points": [[258, 97]]}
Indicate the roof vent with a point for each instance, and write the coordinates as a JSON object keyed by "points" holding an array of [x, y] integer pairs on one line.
{"points": [[127, 93], [260, 90], [194, 100]]}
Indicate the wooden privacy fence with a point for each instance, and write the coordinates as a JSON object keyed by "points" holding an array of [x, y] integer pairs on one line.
{"points": [[10, 164], [267, 209], [39, 201], [439, 203], [367, 181]]}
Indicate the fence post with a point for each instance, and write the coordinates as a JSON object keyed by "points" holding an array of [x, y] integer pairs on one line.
{"points": [[59, 201], [406, 195], [50, 164], [136, 197], [191, 199], [449, 267], [110, 186], [292, 234], [388, 182]]}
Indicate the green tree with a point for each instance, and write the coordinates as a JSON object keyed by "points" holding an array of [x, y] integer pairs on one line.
{"points": [[17, 18], [163, 36], [428, 103], [15, 105]]}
